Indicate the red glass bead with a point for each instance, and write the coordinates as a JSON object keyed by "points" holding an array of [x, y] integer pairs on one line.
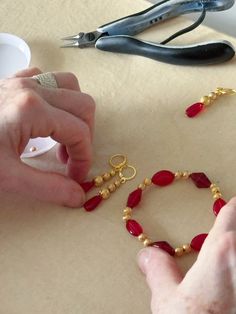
{"points": [[200, 180], [92, 203], [198, 241], [165, 246], [86, 186], [134, 227], [194, 109], [219, 203], [134, 198], [163, 177]]}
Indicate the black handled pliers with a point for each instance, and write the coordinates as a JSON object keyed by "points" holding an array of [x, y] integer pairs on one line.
{"points": [[116, 36]]}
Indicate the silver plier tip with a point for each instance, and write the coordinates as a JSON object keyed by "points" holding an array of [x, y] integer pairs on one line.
{"points": [[82, 40]]}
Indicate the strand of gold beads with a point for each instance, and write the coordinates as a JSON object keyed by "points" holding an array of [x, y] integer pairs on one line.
{"points": [[220, 91]]}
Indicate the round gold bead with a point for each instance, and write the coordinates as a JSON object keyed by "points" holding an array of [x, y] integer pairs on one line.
{"points": [[147, 242], [147, 181], [213, 185], [112, 173], [106, 176], [205, 100], [127, 211], [142, 237], [142, 186], [117, 183], [216, 196], [111, 187], [215, 189], [126, 217], [185, 174], [98, 181], [212, 95], [179, 251], [187, 248], [178, 174], [105, 193]]}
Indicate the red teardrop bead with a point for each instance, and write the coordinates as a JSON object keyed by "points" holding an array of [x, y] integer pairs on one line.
{"points": [[163, 178], [165, 246], [86, 186], [194, 109], [134, 227], [134, 198], [198, 241], [92, 203], [200, 180], [219, 203]]}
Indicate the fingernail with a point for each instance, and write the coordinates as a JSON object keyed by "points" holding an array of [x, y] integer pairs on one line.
{"points": [[143, 259]]}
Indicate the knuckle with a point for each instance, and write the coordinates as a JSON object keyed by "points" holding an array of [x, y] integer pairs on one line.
{"points": [[27, 99], [20, 83], [72, 78], [226, 245]]}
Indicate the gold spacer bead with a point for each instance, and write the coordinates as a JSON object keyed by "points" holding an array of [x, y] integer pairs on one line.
{"points": [[105, 193], [213, 185], [185, 174], [106, 176], [216, 196], [142, 237], [117, 183], [111, 187], [147, 242], [142, 186], [205, 100], [147, 181], [187, 248], [98, 181], [212, 95], [179, 251], [112, 173], [215, 189], [178, 174], [127, 211], [126, 217]]}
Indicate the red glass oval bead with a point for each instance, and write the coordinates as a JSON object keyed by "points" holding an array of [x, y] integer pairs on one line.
{"points": [[218, 204], [194, 109], [86, 186], [163, 178], [198, 241], [134, 227], [165, 246], [200, 180], [92, 203], [134, 198]]}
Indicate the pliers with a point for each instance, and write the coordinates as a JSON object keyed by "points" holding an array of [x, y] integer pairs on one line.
{"points": [[116, 36]]}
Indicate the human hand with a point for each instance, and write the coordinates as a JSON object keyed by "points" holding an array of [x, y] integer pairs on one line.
{"points": [[29, 110], [209, 286]]}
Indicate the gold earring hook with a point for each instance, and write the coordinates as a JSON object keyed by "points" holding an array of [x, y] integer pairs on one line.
{"points": [[226, 91], [118, 161], [127, 178]]}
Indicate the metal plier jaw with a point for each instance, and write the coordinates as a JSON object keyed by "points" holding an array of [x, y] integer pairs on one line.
{"points": [[116, 36]]}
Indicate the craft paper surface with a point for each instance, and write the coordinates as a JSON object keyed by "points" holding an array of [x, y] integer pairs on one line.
{"points": [[59, 260]]}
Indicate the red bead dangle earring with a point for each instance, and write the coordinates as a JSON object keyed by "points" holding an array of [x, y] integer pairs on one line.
{"points": [[206, 101]]}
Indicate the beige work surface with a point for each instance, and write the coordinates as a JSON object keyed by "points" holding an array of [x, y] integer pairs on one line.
{"points": [[58, 260]]}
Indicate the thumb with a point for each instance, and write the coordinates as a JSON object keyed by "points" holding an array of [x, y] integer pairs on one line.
{"points": [[45, 186], [161, 270]]}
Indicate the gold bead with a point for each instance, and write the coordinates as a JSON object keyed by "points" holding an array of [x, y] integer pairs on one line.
{"points": [[111, 187], [205, 100], [33, 149], [105, 193], [217, 195], [127, 211], [215, 189], [147, 242], [179, 251], [112, 173], [147, 181], [212, 95], [213, 185], [106, 176], [142, 186], [185, 174], [142, 237], [178, 174], [187, 248], [126, 217], [98, 181], [117, 183]]}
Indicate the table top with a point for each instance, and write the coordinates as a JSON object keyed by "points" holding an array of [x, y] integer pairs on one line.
{"points": [[59, 260]]}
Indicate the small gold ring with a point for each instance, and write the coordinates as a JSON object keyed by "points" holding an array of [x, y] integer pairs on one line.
{"points": [[123, 177], [119, 165]]}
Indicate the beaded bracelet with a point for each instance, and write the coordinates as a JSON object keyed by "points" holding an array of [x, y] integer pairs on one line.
{"points": [[164, 178]]}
